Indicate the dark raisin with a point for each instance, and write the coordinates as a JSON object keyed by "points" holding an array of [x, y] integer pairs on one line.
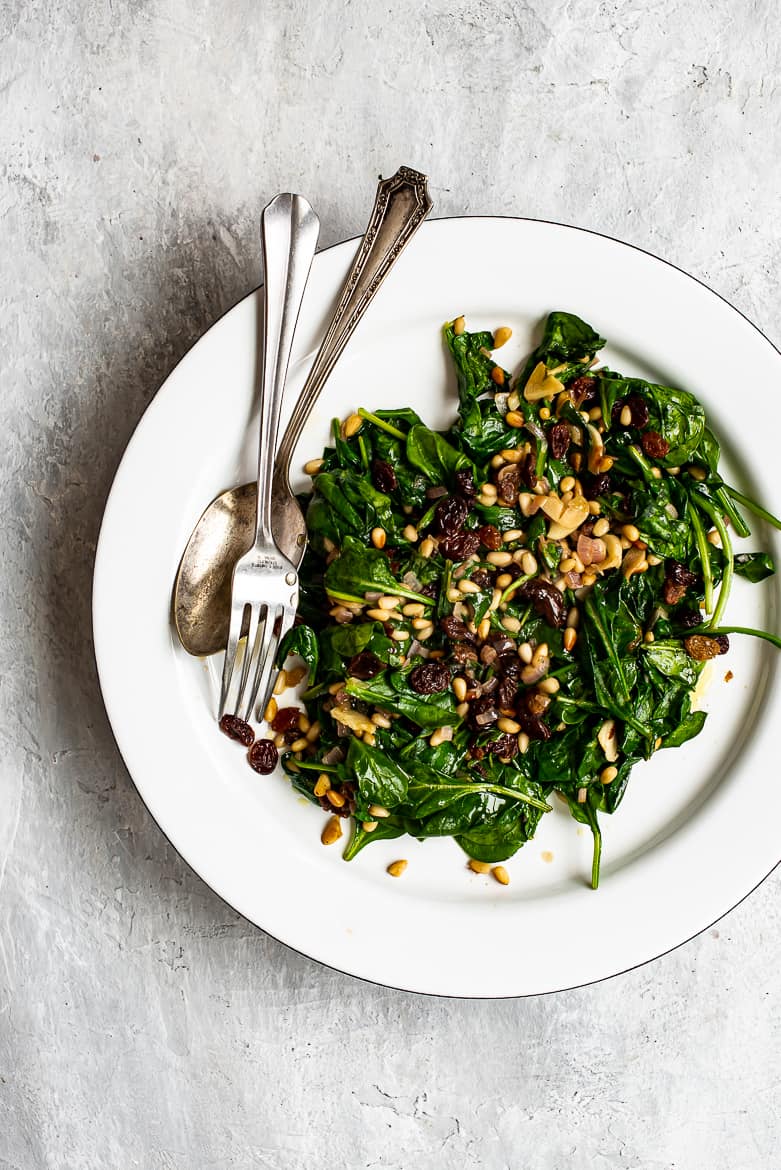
{"points": [[463, 653], [546, 600], [490, 536], [689, 618], [508, 484], [677, 579], [429, 589], [364, 665], [430, 678], [700, 647], [506, 692], [505, 747], [597, 485], [286, 718], [654, 446], [450, 515], [384, 476], [536, 702], [465, 485], [481, 578], [583, 390], [638, 408], [559, 440], [236, 728], [483, 712], [456, 629], [263, 756], [458, 546], [533, 725], [527, 468]]}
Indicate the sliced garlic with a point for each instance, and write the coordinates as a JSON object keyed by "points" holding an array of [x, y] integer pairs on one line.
{"points": [[606, 737], [571, 518], [541, 384]]}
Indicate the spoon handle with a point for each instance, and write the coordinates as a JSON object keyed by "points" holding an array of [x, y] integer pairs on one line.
{"points": [[402, 203], [289, 231]]}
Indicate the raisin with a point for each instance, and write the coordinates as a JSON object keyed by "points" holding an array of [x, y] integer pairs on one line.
{"points": [[263, 756], [700, 647], [536, 702], [430, 678], [481, 578], [456, 629], [598, 485], [384, 476], [490, 537], [528, 471], [285, 719], [533, 725], [458, 546], [483, 712], [546, 600], [465, 485], [688, 618], [463, 653], [364, 665], [508, 484], [677, 579], [429, 589], [505, 746], [559, 440], [450, 515], [638, 408], [583, 390], [506, 692], [654, 446], [238, 729]]}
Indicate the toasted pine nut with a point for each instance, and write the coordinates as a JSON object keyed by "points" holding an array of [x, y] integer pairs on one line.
{"points": [[369, 826], [271, 710], [697, 472], [379, 615], [501, 875], [369, 738], [630, 532], [656, 472], [510, 455], [588, 579], [303, 722], [379, 537], [335, 688], [295, 676], [281, 682], [625, 417], [462, 710], [541, 653], [649, 636], [313, 466], [514, 419], [567, 483], [396, 868], [279, 740], [489, 489], [523, 743], [478, 866], [502, 336], [545, 413], [714, 538], [511, 624], [413, 609], [351, 426], [420, 623], [323, 784], [570, 638], [608, 775], [389, 602], [459, 325], [605, 463], [549, 686], [378, 811], [400, 635], [582, 795], [529, 563], [503, 580], [467, 586], [426, 547], [497, 461], [525, 652], [595, 413], [513, 400], [484, 629], [653, 559], [508, 725], [500, 559], [512, 535], [381, 720], [314, 732], [601, 527], [459, 688], [440, 736], [332, 831], [594, 507], [497, 375], [410, 533], [567, 565], [298, 745], [573, 617]]}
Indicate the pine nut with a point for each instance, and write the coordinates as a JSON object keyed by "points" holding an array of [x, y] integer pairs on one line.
{"points": [[459, 325], [462, 710], [414, 609], [502, 336], [314, 732], [379, 537], [410, 533], [369, 826], [541, 653], [454, 594], [630, 532], [529, 564], [400, 635], [459, 688], [440, 736], [582, 795], [595, 413], [602, 527], [608, 775], [381, 720], [511, 535], [594, 507], [567, 565], [298, 745], [303, 723], [649, 636], [389, 602], [313, 466], [425, 633], [396, 868], [323, 784], [625, 417], [332, 831], [281, 683], [467, 586], [511, 624], [514, 419], [576, 460], [568, 483], [335, 688], [523, 743], [426, 547], [588, 579], [279, 740], [500, 559], [653, 559], [489, 489], [656, 472], [545, 413], [420, 623], [508, 725], [605, 463], [351, 426], [378, 811], [484, 629], [503, 580], [335, 798], [495, 601], [570, 638], [498, 462], [549, 686], [510, 455], [497, 375], [525, 653], [501, 875], [513, 400], [697, 473], [478, 866], [271, 710], [714, 538], [294, 677]]}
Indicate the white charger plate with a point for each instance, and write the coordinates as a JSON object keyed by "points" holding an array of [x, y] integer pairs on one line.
{"points": [[697, 830]]}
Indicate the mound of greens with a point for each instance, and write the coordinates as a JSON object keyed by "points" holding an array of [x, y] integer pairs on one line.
{"points": [[517, 608]]}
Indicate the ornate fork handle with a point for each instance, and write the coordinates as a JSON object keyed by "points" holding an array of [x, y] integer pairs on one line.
{"points": [[401, 205]]}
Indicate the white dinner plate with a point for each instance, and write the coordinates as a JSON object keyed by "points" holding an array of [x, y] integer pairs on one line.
{"points": [[698, 828]]}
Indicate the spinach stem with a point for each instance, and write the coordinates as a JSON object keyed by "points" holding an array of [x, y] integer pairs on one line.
{"points": [[738, 523], [702, 549], [729, 564], [772, 638], [381, 423], [754, 507], [597, 835], [516, 584]]}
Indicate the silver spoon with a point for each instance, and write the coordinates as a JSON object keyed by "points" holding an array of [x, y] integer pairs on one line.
{"points": [[201, 601]]}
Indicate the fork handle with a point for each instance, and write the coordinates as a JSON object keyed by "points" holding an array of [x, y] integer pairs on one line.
{"points": [[402, 203], [289, 231]]}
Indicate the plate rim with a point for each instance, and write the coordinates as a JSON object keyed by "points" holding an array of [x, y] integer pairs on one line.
{"points": [[94, 607]]}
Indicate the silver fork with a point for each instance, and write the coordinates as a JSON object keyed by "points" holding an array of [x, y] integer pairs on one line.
{"points": [[265, 582]]}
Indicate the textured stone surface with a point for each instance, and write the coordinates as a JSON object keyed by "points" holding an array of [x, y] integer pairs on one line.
{"points": [[142, 1023]]}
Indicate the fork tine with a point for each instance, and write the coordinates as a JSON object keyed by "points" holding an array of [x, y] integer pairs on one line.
{"points": [[237, 620], [265, 669], [249, 651]]}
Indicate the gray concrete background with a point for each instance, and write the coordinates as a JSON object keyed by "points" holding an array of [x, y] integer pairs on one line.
{"points": [[142, 1023]]}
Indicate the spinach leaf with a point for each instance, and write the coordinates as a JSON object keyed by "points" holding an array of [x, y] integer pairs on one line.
{"points": [[675, 414], [427, 711], [380, 780], [434, 456], [566, 340], [301, 640], [359, 570], [754, 566]]}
